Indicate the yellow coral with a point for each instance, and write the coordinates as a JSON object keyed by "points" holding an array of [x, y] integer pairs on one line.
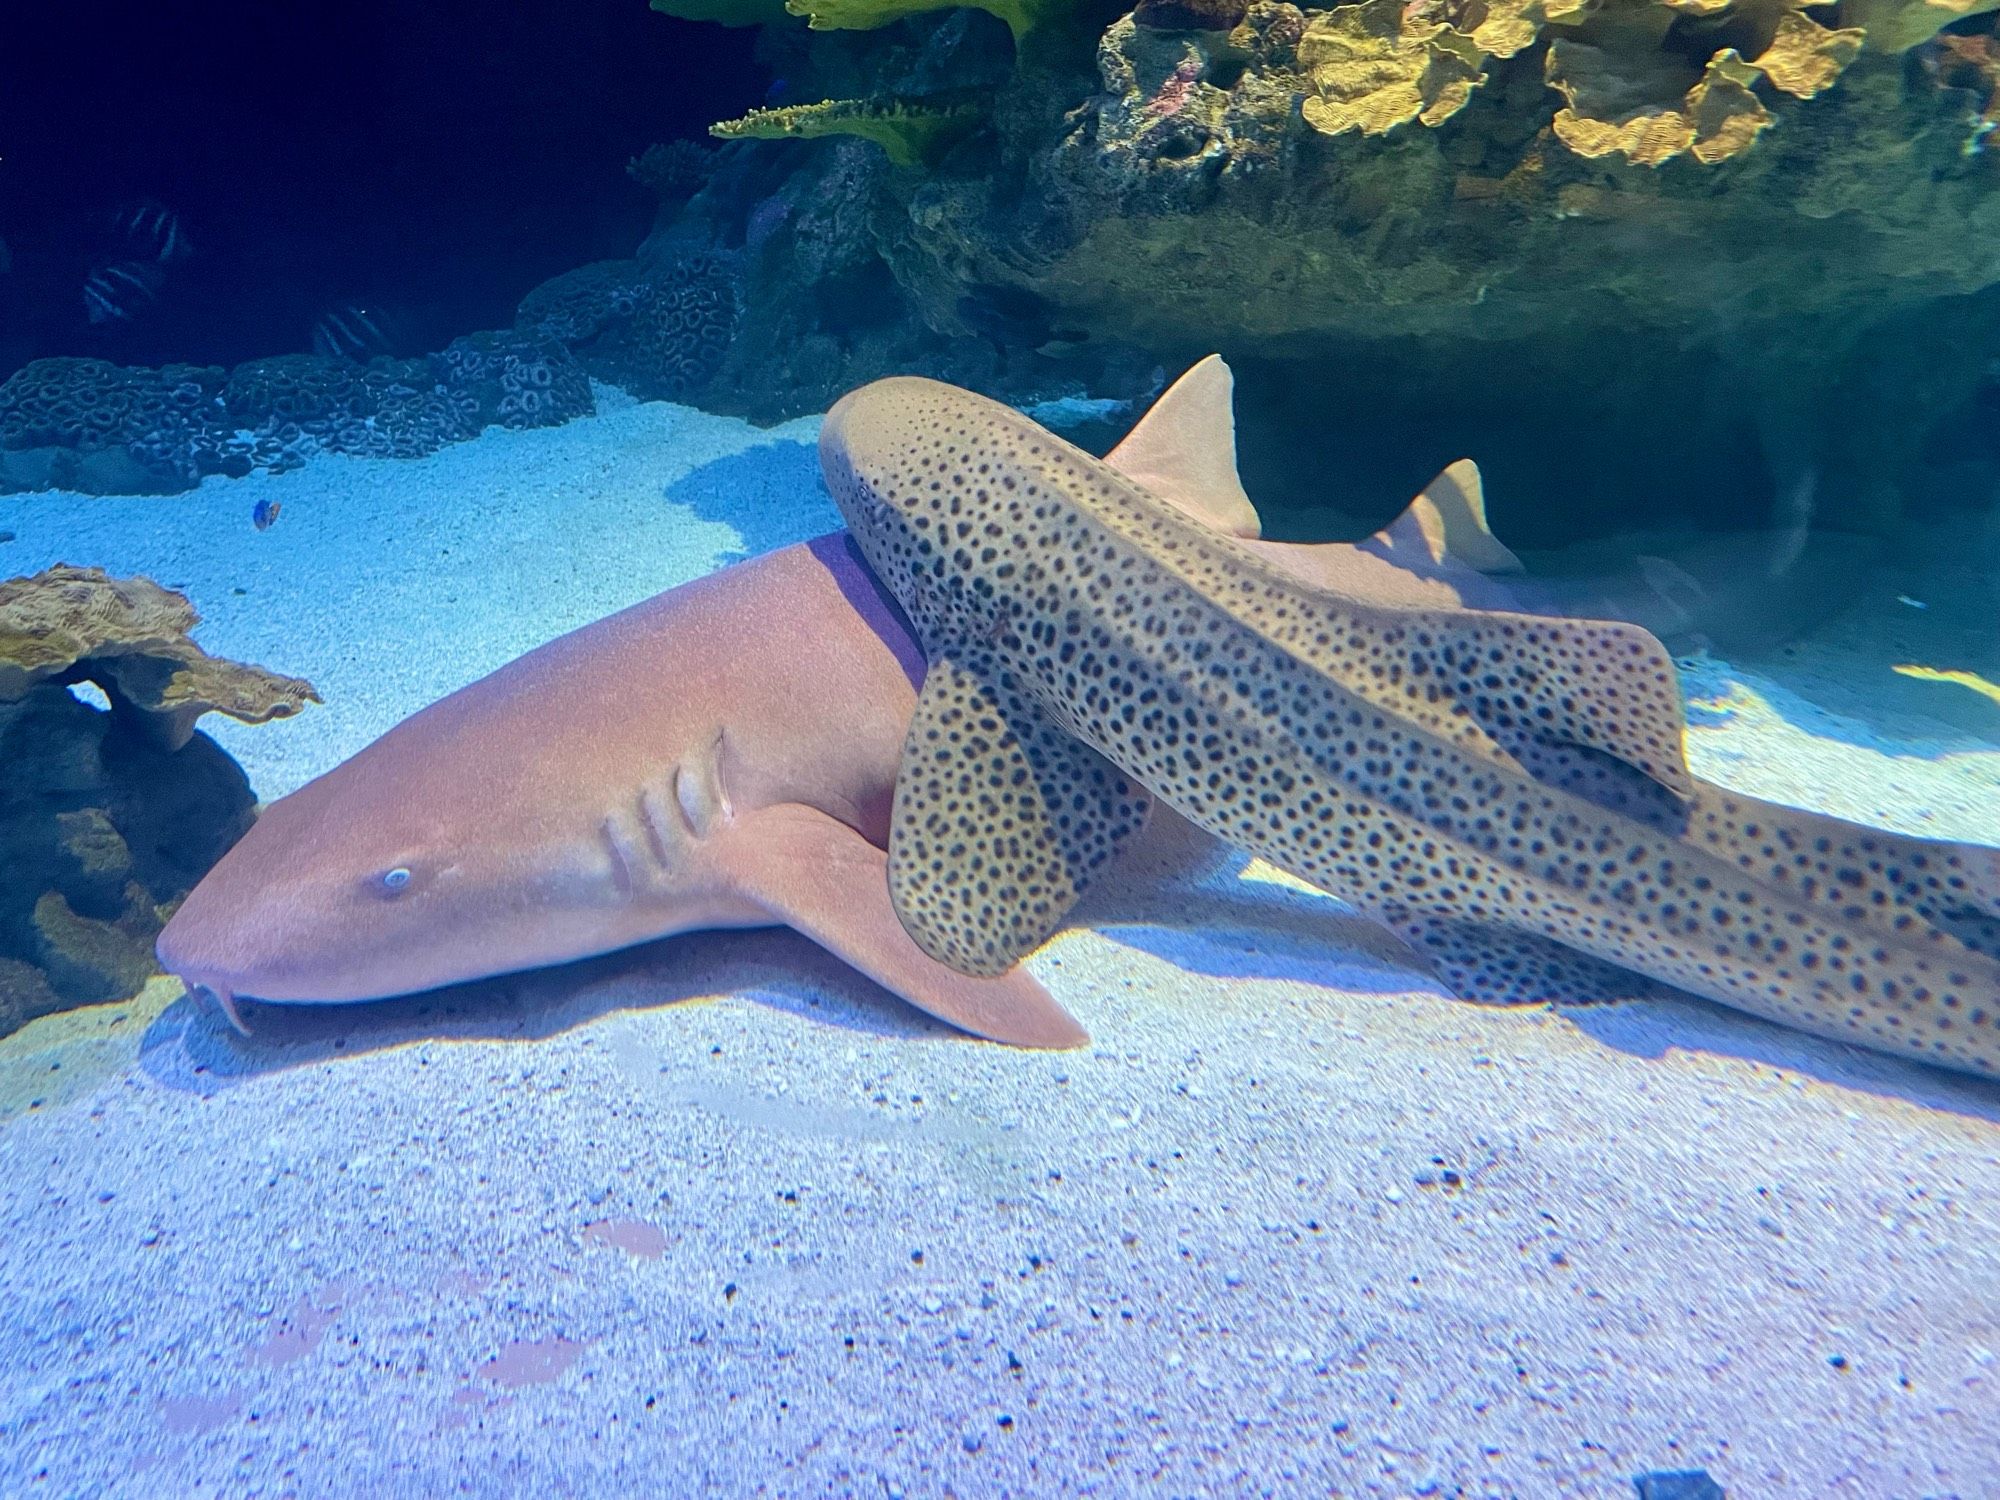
{"points": [[1973, 680], [1899, 25], [911, 134], [130, 637], [1642, 106], [1021, 16], [1501, 28], [1804, 57], [1379, 65]]}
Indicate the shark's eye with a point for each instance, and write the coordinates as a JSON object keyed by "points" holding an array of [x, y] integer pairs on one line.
{"points": [[396, 880]]}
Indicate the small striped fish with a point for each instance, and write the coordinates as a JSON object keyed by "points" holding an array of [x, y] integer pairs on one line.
{"points": [[353, 330], [152, 231], [111, 294]]}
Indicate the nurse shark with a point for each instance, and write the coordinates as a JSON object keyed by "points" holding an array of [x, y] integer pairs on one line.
{"points": [[1506, 791]]}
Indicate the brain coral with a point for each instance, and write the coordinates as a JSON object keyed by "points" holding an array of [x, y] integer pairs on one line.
{"points": [[518, 379], [660, 329], [88, 425]]}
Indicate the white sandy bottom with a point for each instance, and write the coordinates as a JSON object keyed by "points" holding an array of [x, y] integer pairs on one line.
{"points": [[1293, 1224]]}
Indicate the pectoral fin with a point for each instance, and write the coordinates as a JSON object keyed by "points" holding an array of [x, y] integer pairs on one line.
{"points": [[1501, 966], [1001, 821], [818, 876]]}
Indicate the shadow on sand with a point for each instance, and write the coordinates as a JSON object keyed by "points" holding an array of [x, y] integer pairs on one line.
{"points": [[770, 495]]}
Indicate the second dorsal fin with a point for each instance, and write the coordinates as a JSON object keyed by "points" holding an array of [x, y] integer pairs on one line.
{"points": [[1184, 450], [1447, 523]]}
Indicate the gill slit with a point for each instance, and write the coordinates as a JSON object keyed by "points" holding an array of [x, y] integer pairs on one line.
{"points": [[621, 858]]}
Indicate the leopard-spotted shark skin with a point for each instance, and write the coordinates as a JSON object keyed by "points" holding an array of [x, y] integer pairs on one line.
{"points": [[1507, 791]]}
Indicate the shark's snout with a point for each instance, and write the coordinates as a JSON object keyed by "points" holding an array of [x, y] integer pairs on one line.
{"points": [[205, 945]]}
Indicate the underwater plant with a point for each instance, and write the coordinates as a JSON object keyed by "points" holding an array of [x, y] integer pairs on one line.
{"points": [[910, 133]]}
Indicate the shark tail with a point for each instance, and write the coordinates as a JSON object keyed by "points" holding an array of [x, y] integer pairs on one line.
{"points": [[1868, 874]]}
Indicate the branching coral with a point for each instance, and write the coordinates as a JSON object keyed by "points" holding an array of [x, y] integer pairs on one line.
{"points": [[911, 133]]}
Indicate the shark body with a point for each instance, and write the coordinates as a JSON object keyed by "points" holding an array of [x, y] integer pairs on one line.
{"points": [[1507, 791], [724, 754], [721, 755]]}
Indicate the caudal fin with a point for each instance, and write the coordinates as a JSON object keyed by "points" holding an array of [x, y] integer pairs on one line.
{"points": [[1852, 868]]}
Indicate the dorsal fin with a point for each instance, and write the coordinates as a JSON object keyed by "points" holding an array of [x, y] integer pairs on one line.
{"points": [[1447, 523], [1184, 451]]}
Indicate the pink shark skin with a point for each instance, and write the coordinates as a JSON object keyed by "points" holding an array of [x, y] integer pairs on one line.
{"points": [[722, 755]]}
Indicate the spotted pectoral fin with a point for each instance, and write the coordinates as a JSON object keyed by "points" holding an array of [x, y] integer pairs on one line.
{"points": [[816, 875], [1504, 966], [1001, 821]]}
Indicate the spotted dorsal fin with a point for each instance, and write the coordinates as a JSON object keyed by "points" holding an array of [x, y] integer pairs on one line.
{"points": [[1184, 451], [1447, 524], [1001, 821]]}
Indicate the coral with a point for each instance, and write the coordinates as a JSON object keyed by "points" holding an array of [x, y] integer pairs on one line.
{"points": [[683, 326], [1899, 25], [1971, 63], [1646, 80], [25, 994], [1021, 16], [1373, 67], [660, 330], [131, 638], [578, 305], [105, 429], [1647, 110], [1189, 15], [108, 817], [144, 427], [911, 133], [1803, 57], [1986, 688]]}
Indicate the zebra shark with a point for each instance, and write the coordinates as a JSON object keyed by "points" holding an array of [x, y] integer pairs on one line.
{"points": [[1507, 791]]}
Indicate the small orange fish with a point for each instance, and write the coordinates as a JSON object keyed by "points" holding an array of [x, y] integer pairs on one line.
{"points": [[264, 513]]}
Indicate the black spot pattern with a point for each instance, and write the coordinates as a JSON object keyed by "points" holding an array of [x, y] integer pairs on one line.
{"points": [[1001, 820], [1445, 770], [1508, 968]]}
